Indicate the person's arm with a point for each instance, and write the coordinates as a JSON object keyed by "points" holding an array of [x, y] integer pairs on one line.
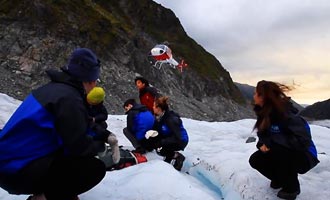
{"points": [[130, 120], [263, 139], [71, 123], [102, 114]]}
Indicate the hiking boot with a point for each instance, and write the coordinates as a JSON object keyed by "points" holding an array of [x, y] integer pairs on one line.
{"points": [[275, 185], [76, 198], [168, 159], [283, 194], [179, 159]]}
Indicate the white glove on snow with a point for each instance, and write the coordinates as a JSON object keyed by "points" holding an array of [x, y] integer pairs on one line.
{"points": [[151, 133]]}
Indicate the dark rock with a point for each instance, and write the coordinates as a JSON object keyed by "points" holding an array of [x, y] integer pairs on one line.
{"points": [[251, 139]]}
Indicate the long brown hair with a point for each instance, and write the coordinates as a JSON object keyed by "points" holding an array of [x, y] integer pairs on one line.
{"points": [[162, 103], [275, 103]]}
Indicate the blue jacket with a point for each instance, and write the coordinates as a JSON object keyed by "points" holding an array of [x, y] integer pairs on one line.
{"points": [[139, 121], [53, 118]]}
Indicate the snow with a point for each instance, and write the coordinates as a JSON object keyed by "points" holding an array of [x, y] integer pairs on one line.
{"points": [[216, 166]]}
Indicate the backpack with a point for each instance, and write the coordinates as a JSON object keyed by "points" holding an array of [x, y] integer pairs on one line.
{"points": [[127, 159], [301, 140]]}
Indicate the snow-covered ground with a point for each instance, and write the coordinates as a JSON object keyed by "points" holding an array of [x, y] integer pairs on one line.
{"points": [[325, 123], [216, 166]]}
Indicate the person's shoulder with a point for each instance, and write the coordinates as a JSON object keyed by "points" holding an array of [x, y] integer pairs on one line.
{"points": [[152, 90], [295, 121], [172, 116], [173, 113], [139, 107]]}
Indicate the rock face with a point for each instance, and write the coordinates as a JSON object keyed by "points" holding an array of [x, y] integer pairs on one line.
{"points": [[317, 111], [37, 35]]}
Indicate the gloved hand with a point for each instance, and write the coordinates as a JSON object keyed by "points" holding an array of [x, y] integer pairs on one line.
{"points": [[113, 142], [151, 133]]}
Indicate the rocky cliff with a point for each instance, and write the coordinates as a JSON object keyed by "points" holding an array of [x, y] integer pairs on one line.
{"points": [[36, 35]]}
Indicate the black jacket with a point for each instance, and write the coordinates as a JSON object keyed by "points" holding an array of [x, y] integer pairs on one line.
{"points": [[171, 130], [64, 99]]}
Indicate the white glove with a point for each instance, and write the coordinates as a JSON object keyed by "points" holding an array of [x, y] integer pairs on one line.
{"points": [[151, 133], [112, 140]]}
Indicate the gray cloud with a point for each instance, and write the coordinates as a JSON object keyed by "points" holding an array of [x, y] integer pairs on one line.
{"points": [[286, 41]]}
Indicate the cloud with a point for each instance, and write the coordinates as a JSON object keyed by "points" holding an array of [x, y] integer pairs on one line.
{"points": [[272, 40]]}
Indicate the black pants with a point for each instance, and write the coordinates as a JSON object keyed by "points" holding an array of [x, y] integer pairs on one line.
{"points": [[147, 144], [280, 165], [56, 177], [169, 148], [136, 144]]}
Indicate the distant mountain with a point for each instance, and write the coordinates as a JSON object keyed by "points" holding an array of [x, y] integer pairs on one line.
{"points": [[305, 105], [317, 111], [248, 92]]}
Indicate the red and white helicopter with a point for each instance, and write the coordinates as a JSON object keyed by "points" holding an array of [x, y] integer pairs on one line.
{"points": [[163, 55]]}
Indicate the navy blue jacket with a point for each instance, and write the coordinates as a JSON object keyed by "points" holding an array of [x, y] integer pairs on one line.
{"points": [[171, 130], [99, 112], [139, 121], [53, 118], [292, 133]]}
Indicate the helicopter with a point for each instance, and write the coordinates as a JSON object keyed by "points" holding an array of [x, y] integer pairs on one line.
{"points": [[162, 54]]}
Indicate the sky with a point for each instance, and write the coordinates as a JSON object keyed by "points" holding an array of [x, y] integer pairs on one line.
{"points": [[216, 166], [283, 41]]}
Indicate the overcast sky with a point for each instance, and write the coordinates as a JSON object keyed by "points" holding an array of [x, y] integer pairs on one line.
{"points": [[287, 41]]}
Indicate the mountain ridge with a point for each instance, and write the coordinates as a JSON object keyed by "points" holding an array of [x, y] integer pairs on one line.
{"points": [[38, 35], [316, 111]]}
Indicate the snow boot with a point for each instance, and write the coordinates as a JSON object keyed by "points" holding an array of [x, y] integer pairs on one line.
{"points": [[283, 194], [179, 159], [37, 197], [168, 159]]}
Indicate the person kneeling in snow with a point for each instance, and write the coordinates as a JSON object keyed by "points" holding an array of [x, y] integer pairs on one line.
{"points": [[98, 115], [285, 146], [139, 121], [45, 149], [172, 136]]}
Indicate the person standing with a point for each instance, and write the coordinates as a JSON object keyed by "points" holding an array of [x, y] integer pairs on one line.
{"points": [[45, 149], [285, 146], [147, 94], [173, 137]]}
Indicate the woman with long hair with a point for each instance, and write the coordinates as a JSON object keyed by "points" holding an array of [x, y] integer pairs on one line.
{"points": [[285, 146], [173, 137]]}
